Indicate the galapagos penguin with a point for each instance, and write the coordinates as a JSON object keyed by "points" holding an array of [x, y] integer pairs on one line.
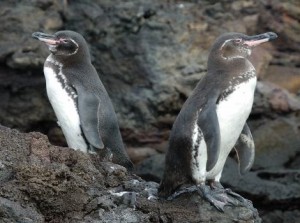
{"points": [[213, 121], [79, 99]]}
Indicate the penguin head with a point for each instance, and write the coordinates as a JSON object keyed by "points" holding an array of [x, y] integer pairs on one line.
{"points": [[237, 45], [65, 44]]}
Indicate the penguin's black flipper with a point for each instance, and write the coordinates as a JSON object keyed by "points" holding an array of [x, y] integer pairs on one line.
{"points": [[110, 132], [88, 109], [99, 125], [209, 124], [245, 150]]}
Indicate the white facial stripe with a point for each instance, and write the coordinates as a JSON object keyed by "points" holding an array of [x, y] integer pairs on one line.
{"points": [[225, 42], [77, 47], [53, 49], [248, 51]]}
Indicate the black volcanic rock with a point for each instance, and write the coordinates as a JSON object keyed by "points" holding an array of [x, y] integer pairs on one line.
{"points": [[44, 183], [150, 55]]}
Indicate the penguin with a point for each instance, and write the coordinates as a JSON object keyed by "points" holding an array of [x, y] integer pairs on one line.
{"points": [[81, 103], [212, 122]]}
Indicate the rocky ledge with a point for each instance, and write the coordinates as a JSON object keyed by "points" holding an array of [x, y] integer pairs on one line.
{"points": [[45, 183]]}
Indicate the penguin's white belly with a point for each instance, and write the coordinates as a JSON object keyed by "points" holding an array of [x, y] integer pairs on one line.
{"points": [[232, 114], [65, 110]]}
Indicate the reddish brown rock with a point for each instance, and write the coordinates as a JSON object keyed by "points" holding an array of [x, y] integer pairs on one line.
{"points": [[270, 98], [284, 76], [260, 58]]}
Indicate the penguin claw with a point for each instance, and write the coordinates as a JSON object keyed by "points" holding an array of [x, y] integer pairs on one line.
{"points": [[236, 196], [182, 191], [217, 186], [236, 200], [218, 197], [221, 196], [205, 192], [242, 201], [218, 205]]}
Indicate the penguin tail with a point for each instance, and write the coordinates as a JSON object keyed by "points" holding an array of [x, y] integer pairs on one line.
{"points": [[165, 189], [128, 164], [123, 160], [168, 186], [117, 157]]}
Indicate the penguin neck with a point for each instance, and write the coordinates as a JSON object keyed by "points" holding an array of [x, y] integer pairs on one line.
{"points": [[70, 60], [234, 64]]}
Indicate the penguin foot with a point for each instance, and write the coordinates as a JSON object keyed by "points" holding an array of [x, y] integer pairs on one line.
{"points": [[235, 195], [215, 194], [239, 200], [217, 198], [242, 201], [190, 189]]}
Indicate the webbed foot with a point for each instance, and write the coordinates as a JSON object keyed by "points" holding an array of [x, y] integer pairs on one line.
{"points": [[218, 200], [239, 200]]}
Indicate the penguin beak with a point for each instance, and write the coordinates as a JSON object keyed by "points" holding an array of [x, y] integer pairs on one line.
{"points": [[253, 41], [46, 38]]}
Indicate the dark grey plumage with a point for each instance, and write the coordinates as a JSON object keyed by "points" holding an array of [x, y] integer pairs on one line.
{"points": [[69, 64], [212, 121]]}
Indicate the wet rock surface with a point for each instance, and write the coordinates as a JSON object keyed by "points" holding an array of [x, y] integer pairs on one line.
{"points": [[44, 183], [149, 55]]}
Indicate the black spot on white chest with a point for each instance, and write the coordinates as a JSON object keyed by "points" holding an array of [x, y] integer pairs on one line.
{"points": [[63, 99], [235, 81], [58, 77]]}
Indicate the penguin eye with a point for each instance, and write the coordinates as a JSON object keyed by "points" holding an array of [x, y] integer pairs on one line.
{"points": [[64, 41], [237, 41]]}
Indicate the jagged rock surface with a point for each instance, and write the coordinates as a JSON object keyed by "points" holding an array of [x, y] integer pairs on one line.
{"points": [[44, 183], [152, 53]]}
